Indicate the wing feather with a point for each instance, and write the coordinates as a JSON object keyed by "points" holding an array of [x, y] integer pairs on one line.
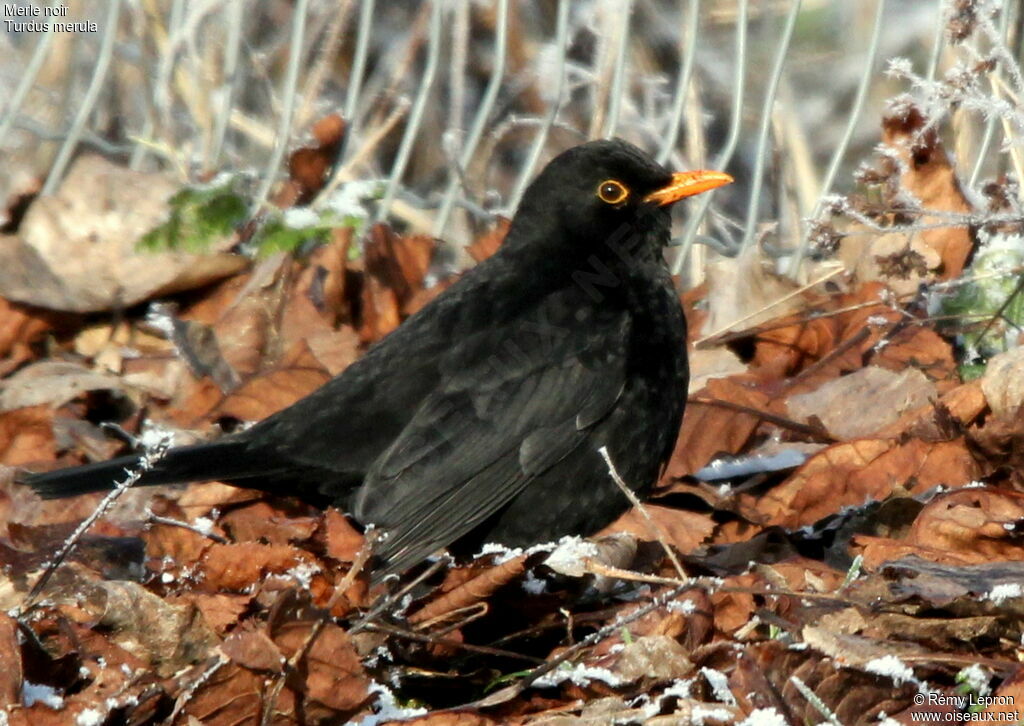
{"points": [[499, 421]]}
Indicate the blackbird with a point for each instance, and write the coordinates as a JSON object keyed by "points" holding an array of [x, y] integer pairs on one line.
{"points": [[481, 417]]}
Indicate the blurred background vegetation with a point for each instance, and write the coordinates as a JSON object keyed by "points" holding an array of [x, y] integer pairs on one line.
{"points": [[451, 106]]}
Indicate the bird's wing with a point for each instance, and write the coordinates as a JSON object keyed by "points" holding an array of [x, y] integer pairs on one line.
{"points": [[516, 399]]}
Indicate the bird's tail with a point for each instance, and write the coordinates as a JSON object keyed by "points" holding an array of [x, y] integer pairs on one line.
{"points": [[201, 462]]}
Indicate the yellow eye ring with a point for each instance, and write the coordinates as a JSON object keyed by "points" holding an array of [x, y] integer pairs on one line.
{"points": [[611, 191]]}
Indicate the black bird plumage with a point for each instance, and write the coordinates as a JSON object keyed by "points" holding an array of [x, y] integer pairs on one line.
{"points": [[481, 417]]}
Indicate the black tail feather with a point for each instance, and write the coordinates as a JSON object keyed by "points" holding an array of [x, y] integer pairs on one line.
{"points": [[219, 460]]}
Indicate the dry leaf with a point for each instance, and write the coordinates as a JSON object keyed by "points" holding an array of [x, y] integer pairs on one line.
{"points": [[489, 242], [10, 663], [682, 529], [1003, 384], [931, 179], [980, 522], [26, 436], [709, 430], [343, 541], [237, 566], [75, 250], [250, 646], [52, 383], [852, 473], [863, 402], [298, 375]]}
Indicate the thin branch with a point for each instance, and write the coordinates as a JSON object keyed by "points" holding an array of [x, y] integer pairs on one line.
{"points": [[656, 530]]}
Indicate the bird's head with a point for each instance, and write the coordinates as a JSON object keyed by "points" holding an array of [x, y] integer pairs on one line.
{"points": [[593, 190]]}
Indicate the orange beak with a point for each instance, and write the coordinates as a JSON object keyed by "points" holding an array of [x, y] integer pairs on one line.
{"points": [[686, 184]]}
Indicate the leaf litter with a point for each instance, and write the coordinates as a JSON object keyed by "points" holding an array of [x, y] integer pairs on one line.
{"points": [[869, 550]]}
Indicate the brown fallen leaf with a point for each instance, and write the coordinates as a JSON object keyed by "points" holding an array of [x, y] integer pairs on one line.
{"points": [[235, 567], [945, 419], [220, 611], [980, 522], [343, 541], [653, 658], [250, 646], [26, 436], [395, 270], [22, 325], [316, 305], [931, 179], [1003, 384], [53, 383], [75, 250], [1007, 699], [852, 473], [709, 430], [329, 673], [952, 586], [490, 241], [166, 637], [948, 632], [834, 345], [260, 522], [298, 375], [10, 663], [682, 529], [877, 551], [310, 166], [478, 589], [922, 349], [178, 547], [226, 694], [854, 650], [853, 695], [733, 610], [878, 396]]}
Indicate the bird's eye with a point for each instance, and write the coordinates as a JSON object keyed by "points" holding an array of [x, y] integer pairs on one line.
{"points": [[611, 191]]}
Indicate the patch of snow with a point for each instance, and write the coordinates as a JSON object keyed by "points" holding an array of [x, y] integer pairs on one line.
{"points": [[90, 717], [719, 683], [685, 607], [976, 678], [222, 179], [900, 68], [701, 713], [204, 525], [300, 218], [579, 675], [32, 693], [160, 317], [533, 584], [1005, 591], [303, 573], [889, 666], [387, 708], [347, 200], [569, 557], [155, 437], [679, 688], [764, 717], [504, 554]]}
